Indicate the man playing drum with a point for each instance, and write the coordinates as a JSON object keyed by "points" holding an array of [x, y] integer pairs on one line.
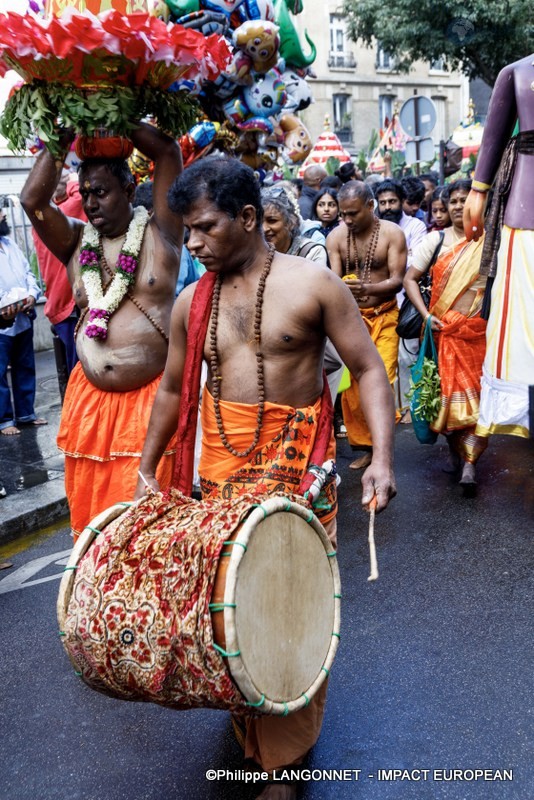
{"points": [[122, 335], [270, 315]]}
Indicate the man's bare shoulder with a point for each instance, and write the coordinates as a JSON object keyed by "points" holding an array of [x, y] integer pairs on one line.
{"points": [[185, 297], [392, 231], [299, 273], [336, 236]]}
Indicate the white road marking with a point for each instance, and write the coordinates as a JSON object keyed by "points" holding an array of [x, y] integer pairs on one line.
{"points": [[20, 578]]}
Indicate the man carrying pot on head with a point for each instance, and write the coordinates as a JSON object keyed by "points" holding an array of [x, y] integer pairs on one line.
{"points": [[123, 268]]}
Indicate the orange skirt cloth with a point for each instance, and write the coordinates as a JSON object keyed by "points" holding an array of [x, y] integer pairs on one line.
{"points": [[381, 322], [277, 464], [102, 435]]}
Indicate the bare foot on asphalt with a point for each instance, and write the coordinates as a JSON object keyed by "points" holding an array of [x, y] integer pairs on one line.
{"points": [[362, 462]]}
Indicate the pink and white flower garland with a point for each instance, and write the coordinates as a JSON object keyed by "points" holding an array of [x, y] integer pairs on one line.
{"points": [[102, 306]]}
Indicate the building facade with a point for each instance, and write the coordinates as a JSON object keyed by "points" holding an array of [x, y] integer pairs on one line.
{"points": [[359, 87]]}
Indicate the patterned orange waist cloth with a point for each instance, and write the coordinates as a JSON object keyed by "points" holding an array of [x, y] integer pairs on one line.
{"points": [[280, 460]]}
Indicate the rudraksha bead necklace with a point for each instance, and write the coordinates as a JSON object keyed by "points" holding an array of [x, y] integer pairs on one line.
{"points": [[364, 274], [214, 361]]}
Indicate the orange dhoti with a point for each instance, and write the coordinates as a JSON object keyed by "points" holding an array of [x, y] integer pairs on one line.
{"points": [[277, 464], [102, 435], [381, 322]]}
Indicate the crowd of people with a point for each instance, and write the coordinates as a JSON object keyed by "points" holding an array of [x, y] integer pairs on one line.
{"points": [[382, 236], [310, 275]]}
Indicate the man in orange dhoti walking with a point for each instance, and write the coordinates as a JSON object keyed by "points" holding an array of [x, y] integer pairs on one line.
{"points": [[370, 255], [265, 318]]}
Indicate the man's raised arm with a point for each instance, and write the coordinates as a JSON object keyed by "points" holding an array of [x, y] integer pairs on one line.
{"points": [[58, 232], [167, 158]]}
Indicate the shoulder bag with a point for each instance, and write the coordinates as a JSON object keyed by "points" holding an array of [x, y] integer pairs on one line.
{"points": [[410, 320]]}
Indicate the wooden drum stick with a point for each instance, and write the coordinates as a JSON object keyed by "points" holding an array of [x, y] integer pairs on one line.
{"points": [[372, 549]]}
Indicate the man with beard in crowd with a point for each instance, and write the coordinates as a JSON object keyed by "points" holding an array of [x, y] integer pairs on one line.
{"points": [[390, 196], [373, 252]]}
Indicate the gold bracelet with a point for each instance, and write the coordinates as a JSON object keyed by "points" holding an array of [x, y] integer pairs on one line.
{"points": [[478, 186]]}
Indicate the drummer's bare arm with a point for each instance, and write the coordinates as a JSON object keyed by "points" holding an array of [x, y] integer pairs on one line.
{"points": [[167, 158], [58, 232], [164, 416], [345, 327]]}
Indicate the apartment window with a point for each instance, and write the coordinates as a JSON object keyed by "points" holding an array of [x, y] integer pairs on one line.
{"points": [[384, 59], [339, 55], [438, 65], [337, 33], [440, 130], [342, 111], [385, 109]]}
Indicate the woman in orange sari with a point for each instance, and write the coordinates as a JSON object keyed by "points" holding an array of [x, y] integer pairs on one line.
{"points": [[459, 330]]}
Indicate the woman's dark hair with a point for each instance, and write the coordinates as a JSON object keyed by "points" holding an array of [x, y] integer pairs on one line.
{"points": [[321, 193], [462, 185], [117, 166], [346, 172], [331, 182], [414, 188], [437, 194], [224, 181]]}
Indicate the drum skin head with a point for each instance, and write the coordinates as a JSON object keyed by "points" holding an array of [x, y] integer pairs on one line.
{"points": [[284, 607]]}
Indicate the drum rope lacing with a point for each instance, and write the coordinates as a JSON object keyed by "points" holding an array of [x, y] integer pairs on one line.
{"points": [[214, 360]]}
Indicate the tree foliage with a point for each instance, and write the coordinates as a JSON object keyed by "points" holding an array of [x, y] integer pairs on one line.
{"points": [[477, 37]]}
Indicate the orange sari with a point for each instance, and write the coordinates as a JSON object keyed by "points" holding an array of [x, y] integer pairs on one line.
{"points": [[461, 347]]}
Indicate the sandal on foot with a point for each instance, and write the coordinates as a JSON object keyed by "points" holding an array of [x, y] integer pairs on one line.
{"points": [[342, 432], [10, 431]]}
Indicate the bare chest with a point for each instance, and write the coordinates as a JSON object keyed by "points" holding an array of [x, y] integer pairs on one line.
{"points": [[155, 276], [281, 324], [359, 255]]}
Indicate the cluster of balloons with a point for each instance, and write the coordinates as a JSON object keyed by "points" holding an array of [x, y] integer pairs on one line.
{"points": [[254, 103]]}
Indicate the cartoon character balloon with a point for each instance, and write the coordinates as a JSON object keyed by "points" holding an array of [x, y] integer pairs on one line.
{"points": [[299, 94], [265, 98], [259, 41], [297, 140]]}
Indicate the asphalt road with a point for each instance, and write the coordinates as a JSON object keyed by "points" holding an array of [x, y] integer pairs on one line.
{"points": [[434, 671]]}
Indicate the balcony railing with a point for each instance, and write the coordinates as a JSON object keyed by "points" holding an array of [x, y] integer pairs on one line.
{"points": [[344, 135], [342, 61]]}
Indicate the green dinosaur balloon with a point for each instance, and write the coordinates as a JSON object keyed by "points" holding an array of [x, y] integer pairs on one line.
{"points": [[179, 8], [290, 46]]}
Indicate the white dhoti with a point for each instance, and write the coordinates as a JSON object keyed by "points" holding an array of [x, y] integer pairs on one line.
{"points": [[509, 363]]}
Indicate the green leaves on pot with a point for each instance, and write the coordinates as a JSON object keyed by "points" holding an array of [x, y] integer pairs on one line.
{"points": [[46, 109]]}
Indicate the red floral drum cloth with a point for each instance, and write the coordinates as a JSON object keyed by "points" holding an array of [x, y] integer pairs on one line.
{"points": [[138, 623]]}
